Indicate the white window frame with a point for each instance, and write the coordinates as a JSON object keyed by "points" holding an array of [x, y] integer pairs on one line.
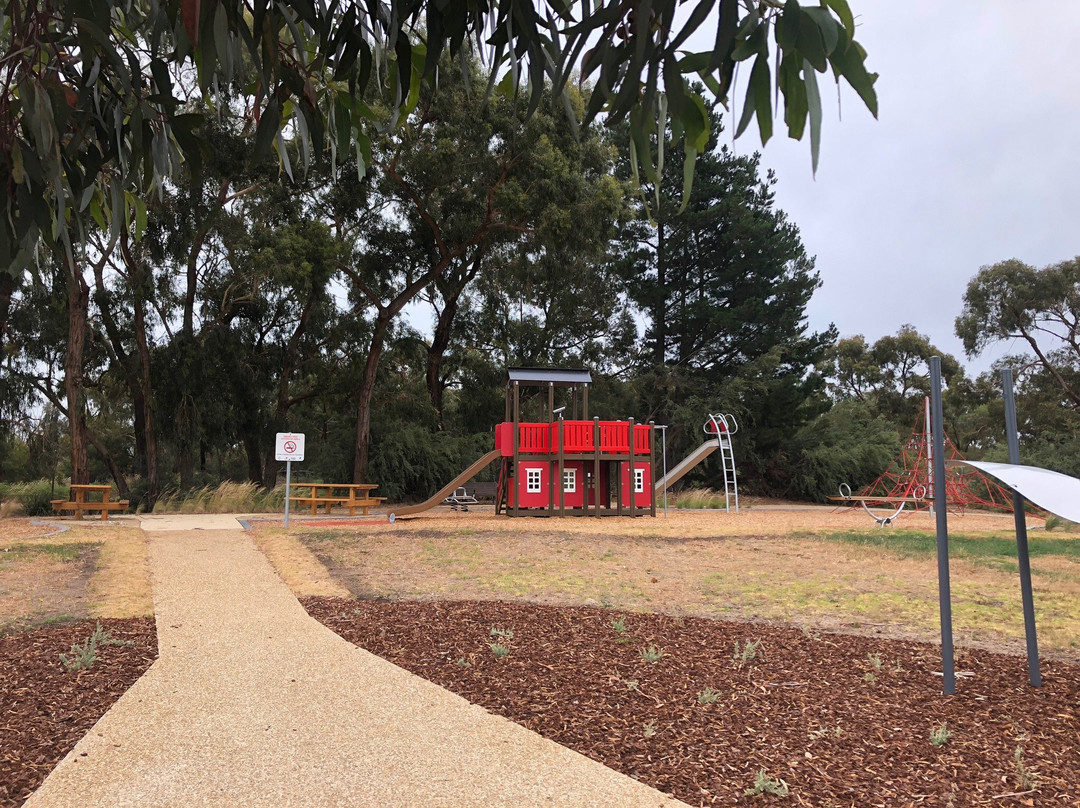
{"points": [[569, 481], [534, 481], [639, 481]]}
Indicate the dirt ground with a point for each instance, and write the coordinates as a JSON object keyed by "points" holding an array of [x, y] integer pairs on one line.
{"points": [[58, 570], [763, 564]]}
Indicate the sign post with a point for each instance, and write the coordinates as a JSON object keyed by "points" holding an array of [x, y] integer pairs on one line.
{"points": [[289, 446]]}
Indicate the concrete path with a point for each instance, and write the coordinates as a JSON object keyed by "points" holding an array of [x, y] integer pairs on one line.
{"points": [[254, 703]]}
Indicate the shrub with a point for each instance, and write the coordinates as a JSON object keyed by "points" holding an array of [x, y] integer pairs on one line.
{"points": [[699, 499], [34, 498], [227, 497]]}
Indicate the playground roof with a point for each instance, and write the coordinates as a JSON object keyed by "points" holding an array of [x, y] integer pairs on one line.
{"points": [[556, 376]]}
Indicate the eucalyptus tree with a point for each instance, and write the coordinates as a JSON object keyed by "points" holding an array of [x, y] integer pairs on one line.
{"points": [[1012, 300], [94, 95], [891, 376], [464, 185]]}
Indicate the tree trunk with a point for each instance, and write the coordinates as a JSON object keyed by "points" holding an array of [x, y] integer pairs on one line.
{"points": [[440, 341], [78, 299], [365, 393], [7, 290], [146, 401], [110, 461], [254, 456], [660, 305], [289, 364]]}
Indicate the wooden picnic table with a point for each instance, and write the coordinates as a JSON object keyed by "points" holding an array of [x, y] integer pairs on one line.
{"points": [[84, 498], [358, 495]]}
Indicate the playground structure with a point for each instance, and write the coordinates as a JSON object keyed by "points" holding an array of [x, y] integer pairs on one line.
{"points": [[721, 428], [909, 480], [575, 467], [578, 466]]}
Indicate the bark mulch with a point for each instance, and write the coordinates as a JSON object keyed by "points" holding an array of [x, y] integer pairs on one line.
{"points": [[44, 710], [841, 720]]}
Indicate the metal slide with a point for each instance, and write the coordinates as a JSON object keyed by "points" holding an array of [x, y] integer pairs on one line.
{"points": [[449, 488], [688, 462]]}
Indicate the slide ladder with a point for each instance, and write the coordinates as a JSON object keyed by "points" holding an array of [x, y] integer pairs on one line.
{"points": [[724, 426]]}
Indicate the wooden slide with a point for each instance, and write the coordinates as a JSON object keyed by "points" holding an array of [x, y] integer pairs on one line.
{"points": [[688, 462], [448, 489]]}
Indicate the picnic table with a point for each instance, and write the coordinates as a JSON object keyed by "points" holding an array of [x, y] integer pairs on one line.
{"points": [[357, 495], [85, 498]]}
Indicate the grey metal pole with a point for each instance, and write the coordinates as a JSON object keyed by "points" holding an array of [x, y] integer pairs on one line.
{"points": [[288, 482], [948, 662], [1021, 533], [663, 443]]}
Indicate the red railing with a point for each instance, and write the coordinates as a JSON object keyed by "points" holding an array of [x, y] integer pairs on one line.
{"points": [[579, 437]]}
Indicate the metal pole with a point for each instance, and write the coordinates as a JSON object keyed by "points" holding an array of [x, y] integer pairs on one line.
{"points": [[663, 442], [948, 662], [1021, 533], [288, 482], [929, 454]]}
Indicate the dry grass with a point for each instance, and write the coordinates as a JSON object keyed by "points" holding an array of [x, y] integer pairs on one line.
{"points": [[298, 567], [120, 585], [118, 582], [228, 497], [698, 499], [794, 566]]}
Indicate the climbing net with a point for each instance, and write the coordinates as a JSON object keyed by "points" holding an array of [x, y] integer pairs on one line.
{"points": [[911, 475]]}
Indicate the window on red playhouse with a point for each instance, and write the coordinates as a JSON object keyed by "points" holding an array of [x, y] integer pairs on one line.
{"points": [[570, 480], [534, 481], [639, 481]]}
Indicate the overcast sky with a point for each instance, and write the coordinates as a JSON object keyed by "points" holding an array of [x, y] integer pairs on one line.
{"points": [[974, 158]]}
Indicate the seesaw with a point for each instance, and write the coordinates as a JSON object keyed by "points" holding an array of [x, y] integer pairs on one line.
{"points": [[918, 495]]}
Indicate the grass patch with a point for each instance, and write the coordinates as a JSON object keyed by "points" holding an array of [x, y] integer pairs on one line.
{"points": [[65, 553], [994, 551]]}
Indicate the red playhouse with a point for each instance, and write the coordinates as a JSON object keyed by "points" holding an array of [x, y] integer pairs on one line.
{"points": [[570, 467]]}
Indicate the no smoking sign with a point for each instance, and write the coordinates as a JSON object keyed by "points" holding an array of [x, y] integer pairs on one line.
{"points": [[289, 446]]}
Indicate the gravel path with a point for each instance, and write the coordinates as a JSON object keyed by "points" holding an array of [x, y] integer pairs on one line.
{"points": [[252, 702]]}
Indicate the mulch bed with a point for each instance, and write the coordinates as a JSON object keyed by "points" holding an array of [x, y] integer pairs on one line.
{"points": [[842, 720], [45, 711]]}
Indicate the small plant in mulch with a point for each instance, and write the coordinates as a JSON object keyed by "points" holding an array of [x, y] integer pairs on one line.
{"points": [[652, 654], [708, 696], [462, 662], [869, 678], [84, 655], [500, 649], [940, 735], [748, 652], [875, 661], [1026, 780], [764, 784], [649, 728], [618, 625]]}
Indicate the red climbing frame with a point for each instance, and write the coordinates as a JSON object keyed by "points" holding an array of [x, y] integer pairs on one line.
{"points": [[910, 475]]}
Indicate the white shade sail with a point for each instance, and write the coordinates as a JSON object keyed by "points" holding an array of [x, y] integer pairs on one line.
{"points": [[1057, 493]]}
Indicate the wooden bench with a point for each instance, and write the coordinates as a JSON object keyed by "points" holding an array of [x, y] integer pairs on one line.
{"points": [[358, 496], [81, 504]]}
